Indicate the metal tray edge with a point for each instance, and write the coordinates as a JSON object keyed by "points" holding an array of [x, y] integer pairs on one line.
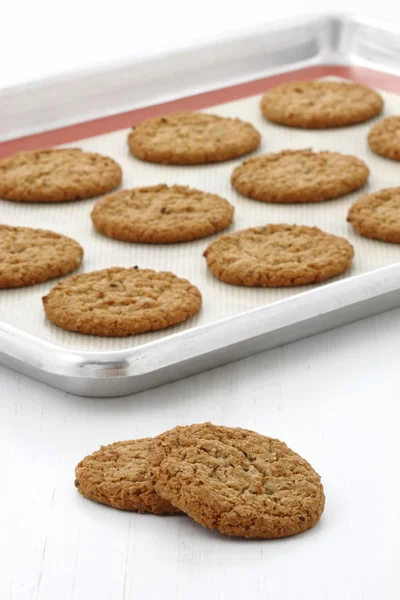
{"points": [[277, 47], [123, 372]]}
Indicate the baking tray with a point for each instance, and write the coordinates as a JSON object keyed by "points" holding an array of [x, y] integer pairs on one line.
{"points": [[229, 74]]}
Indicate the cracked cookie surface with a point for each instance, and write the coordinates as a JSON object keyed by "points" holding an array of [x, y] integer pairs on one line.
{"points": [[161, 214], [296, 176], [120, 302], [192, 138], [29, 256], [278, 256], [384, 138], [116, 475], [57, 175], [237, 481], [320, 104], [377, 215]]}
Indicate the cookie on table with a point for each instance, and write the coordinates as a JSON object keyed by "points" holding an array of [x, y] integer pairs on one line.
{"points": [[278, 256], [320, 104], [161, 214], [29, 256], [118, 302], [296, 176], [236, 481], [192, 138], [384, 138], [116, 475], [57, 175], [377, 215]]}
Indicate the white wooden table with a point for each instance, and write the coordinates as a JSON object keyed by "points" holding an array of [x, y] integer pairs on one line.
{"points": [[334, 398]]}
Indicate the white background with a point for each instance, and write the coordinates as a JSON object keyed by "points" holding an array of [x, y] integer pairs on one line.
{"points": [[334, 398]]}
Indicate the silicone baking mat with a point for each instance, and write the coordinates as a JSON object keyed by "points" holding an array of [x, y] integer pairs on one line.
{"points": [[23, 308]]}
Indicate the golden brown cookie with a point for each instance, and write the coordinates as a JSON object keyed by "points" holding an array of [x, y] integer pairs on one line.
{"points": [[192, 138], [161, 214], [29, 256], [237, 481], [57, 175], [377, 215], [295, 176], [320, 104], [116, 475], [120, 302], [384, 138], [278, 256]]}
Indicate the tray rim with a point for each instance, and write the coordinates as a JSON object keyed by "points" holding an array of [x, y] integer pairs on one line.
{"points": [[45, 89], [51, 359], [69, 355]]}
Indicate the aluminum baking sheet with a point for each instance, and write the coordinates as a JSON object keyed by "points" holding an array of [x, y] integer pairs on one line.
{"points": [[234, 321], [23, 307]]}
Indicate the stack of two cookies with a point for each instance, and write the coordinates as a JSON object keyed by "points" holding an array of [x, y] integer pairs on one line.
{"points": [[230, 479]]}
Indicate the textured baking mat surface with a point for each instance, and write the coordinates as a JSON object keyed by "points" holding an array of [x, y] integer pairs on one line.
{"points": [[23, 307]]}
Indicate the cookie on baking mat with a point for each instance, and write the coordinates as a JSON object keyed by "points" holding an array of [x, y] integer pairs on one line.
{"points": [[116, 475], [57, 175], [384, 138], [320, 104], [192, 138], [161, 214], [278, 256], [120, 302], [296, 176], [29, 256], [237, 481], [377, 215]]}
